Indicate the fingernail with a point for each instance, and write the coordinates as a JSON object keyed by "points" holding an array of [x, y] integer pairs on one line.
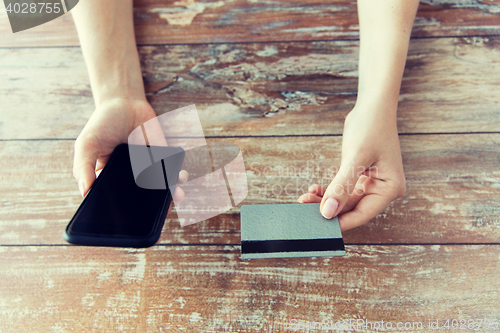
{"points": [[81, 187], [329, 208]]}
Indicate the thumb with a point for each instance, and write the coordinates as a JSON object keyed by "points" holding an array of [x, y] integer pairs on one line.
{"points": [[84, 165], [339, 191]]}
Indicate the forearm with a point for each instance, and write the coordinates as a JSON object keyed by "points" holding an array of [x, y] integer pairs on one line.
{"points": [[107, 38], [385, 27]]}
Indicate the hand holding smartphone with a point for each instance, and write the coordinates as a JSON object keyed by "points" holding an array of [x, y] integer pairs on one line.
{"points": [[118, 212]]}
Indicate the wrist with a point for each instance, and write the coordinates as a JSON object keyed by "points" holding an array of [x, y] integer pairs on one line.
{"points": [[120, 92], [377, 111], [125, 103], [378, 102], [121, 81]]}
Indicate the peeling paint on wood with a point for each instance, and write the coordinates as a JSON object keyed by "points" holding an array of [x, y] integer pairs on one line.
{"points": [[205, 21], [194, 280], [450, 85], [185, 11]]}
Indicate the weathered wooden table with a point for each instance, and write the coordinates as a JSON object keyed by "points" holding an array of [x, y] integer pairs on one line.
{"points": [[276, 78]]}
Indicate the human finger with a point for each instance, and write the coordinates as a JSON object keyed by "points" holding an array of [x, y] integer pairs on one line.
{"points": [[317, 190], [178, 195], [377, 197], [84, 165], [309, 198], [339, 191], [183, 177], [357, 194]]}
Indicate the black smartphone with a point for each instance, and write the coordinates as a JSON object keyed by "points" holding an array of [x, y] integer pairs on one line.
{"points": [[118, 212]]}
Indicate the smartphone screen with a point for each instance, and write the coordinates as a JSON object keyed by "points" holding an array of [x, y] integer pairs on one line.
{"points": [[116, 211]]}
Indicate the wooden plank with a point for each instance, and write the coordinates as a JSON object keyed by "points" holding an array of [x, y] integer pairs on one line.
{"points": [[450, 85], [210, 289], [453, 192], [308, 88], [190, 21]]}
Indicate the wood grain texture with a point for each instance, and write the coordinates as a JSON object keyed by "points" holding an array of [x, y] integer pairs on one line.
{"points": [[210, 289], [280, 76], [453, 190], [450, 85], [190, 21]]}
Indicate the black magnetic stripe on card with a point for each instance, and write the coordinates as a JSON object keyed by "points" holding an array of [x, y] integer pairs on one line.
{"points": [[292, 245]]}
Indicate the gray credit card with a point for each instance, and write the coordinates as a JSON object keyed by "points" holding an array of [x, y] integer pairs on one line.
{"points": [[288, 231]]}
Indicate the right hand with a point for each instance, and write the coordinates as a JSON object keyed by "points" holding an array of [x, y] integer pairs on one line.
{"points": [[371, 172], [110, 125]]}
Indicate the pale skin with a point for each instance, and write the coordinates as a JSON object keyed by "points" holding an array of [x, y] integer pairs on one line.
{"points": [[371, 172], [106, 33], [371, 156]]}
